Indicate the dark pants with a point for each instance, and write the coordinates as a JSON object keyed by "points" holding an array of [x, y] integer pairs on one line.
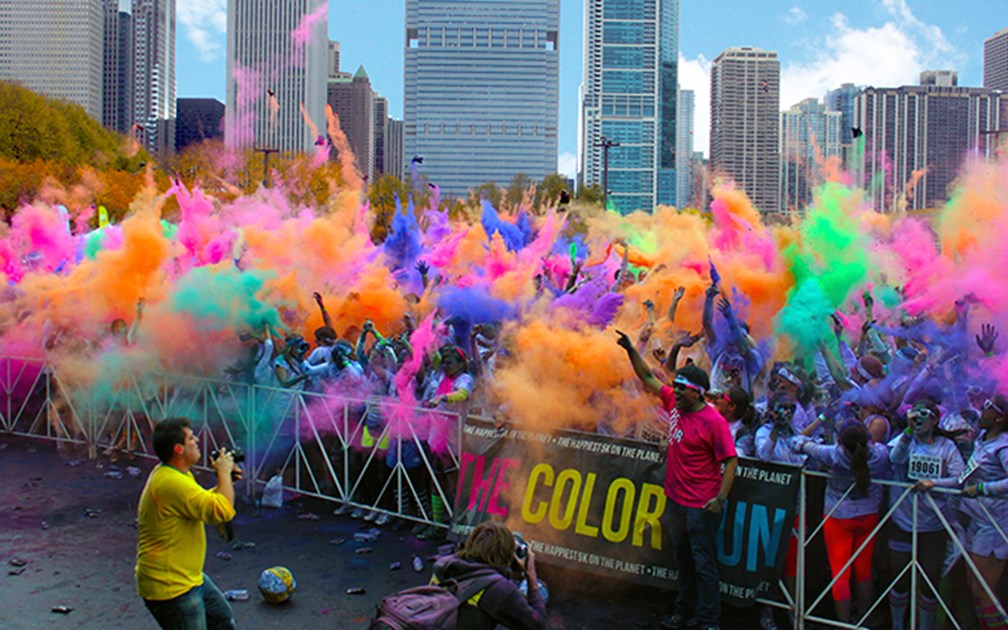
{"points": [[694, 538], [201, 608]]}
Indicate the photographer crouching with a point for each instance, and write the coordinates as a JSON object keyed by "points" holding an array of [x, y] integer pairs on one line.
{"points": [[501, 602], [172, 539]]}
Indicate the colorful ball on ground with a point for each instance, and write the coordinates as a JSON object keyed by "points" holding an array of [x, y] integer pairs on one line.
{"points": [[277, 585]]}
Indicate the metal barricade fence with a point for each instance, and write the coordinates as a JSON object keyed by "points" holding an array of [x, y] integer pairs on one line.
{"points": [[320, 445], [807, 603], [333, 448]]}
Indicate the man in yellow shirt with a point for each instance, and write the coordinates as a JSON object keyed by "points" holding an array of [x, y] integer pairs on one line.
{"points": [[172, 537]]}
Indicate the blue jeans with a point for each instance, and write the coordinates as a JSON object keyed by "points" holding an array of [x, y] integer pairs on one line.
{"points": [[201, 608], [694, 538]]}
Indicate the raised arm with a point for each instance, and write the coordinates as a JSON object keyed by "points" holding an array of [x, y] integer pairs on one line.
{"points": [[741, 339], [640, 367], [131, 335], [708, 314], [321, 304], [676, 298], [835, 370]]}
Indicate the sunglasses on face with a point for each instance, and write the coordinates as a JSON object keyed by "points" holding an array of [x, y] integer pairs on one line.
{"points": [[920, 413], [990, 404]]}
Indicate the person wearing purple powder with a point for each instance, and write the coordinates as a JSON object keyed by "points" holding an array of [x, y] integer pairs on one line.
{"points": [[850, 513], [985, 503], [921, 453]]}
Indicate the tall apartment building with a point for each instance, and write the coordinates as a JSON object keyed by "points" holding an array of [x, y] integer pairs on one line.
{"points": [[333, 59], [380, 117], [276, 56], [55, 48], [684, 148], [352, 100], [154, 74], [394, 148], [628, 96], [841, 100], [481, 89], [995, 64], [745, 123], [199, 119], [917, 139], [810, 136], [117, 76]]}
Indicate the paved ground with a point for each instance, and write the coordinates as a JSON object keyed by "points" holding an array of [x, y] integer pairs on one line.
{"points": [[73, 522]]}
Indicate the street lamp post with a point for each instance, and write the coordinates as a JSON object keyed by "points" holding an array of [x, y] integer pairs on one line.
{"points": [[266, 157], [606, 144]]}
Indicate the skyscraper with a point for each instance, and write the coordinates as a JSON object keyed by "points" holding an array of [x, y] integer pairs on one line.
{"points": [[276, 62], [629, 96], [810, 136], [380, 118], [917, 139], [995, 67], [117, 99], [55, 48], [199, 119], [154, 73], [684, 148], [745, 123], [394, 152], [481, 89], [841, 100], [352, 100]]}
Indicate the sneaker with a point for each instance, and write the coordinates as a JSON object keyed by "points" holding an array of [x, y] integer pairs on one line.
{"points": [[341, 510], [370, 516], [766, 619], [383, 519], [357, 513], [675, 621]]}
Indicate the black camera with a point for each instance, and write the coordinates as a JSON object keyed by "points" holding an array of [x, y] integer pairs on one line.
{"points": [[236, 454], [226, 530], [521, 547]]}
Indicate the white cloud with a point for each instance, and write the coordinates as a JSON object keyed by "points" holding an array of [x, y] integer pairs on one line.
{"points": [[891, 54], [205, 24], [794, 16], [888, 55], [567, 165]]}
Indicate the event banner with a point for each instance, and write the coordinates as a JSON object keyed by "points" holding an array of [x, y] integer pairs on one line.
{"points": [[597, 503]]}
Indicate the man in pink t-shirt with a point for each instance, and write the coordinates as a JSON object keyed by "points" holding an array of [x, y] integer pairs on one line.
{"points": [[700, 469]]}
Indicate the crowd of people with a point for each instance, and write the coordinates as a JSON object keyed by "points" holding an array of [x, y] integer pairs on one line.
{"points": [[886, 405], [879, 408]]}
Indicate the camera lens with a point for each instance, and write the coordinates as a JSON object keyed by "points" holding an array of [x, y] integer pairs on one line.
{"points": [[237, 455]]}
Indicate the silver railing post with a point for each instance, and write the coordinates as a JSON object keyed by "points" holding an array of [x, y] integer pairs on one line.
{"points": [[913, 562], [802, 546]]}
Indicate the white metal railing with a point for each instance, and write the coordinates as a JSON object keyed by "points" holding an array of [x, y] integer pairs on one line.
{"points": [[807, 602], [316, 443]]}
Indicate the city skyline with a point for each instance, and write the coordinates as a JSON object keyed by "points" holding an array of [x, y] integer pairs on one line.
{"points": [[820, 47]]}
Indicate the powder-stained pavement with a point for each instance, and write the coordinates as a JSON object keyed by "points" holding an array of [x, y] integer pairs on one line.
{"points": [[73, 520]]}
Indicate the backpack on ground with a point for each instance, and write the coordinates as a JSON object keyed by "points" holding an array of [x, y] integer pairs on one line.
{"points": [[433, 606]]}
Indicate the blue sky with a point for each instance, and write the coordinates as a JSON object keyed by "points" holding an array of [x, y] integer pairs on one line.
{"points": [[821, 45]]}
